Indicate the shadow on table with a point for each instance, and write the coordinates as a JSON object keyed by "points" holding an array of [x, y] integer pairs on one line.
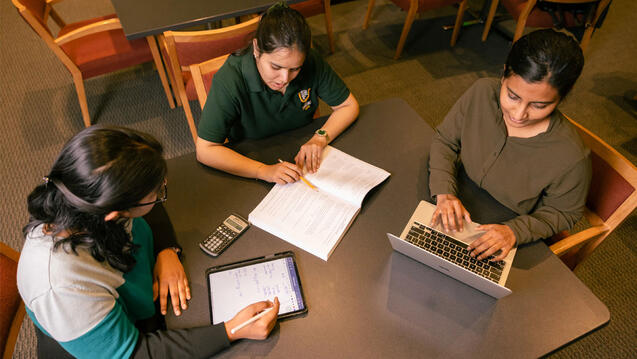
{"points": [[435, 303]]}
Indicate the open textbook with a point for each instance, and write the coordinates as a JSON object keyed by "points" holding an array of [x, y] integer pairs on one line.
{"points": [[316, 220]]}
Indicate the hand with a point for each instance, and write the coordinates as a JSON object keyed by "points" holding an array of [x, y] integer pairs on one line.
{"points": [[281, 173], [309, 155], [449, 211], [260, 328], [498, 237], [169, 277]]}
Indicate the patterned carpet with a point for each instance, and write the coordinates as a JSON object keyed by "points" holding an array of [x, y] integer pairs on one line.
{"points": [[39, 109]]}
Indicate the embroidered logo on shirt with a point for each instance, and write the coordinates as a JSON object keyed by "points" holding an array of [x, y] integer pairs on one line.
{"points": [[304, 96]]}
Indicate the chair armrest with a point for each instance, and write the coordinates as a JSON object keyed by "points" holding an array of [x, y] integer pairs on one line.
{"points": [[105, 25], [576, 239]]}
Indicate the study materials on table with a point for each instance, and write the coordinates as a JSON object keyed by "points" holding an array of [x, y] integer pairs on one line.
{"points": [[234, 286], [316, 220]]}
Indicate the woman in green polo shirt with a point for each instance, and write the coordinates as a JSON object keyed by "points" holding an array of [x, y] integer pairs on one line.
{"points": [[508, 138], [273, 87]]}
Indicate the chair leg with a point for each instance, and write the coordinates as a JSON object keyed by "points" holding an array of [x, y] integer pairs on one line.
{"points": [[489, 21], [152, 44], [81, 97], [188, 112], [328, 23], [368, 15], [586, 38], [411, 15], [458, 24], [519, 28], [169, 70]]}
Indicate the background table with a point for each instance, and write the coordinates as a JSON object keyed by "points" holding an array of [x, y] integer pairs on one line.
{"points": [[142, 18], [367, 300]]}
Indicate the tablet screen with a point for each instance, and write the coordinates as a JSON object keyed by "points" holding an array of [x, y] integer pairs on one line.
{"points": [[237, 287]]}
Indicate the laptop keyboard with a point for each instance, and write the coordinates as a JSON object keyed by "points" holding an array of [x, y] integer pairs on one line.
{"points": [[454, 251]]}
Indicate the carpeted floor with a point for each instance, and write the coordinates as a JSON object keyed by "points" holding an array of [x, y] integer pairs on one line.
{"points": [[39, 109]]}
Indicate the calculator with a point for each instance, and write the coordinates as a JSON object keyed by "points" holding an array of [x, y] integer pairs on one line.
{"points": [[221, 238]]}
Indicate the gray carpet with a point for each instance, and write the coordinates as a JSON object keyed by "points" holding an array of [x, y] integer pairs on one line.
{"points": [[39, 109]]}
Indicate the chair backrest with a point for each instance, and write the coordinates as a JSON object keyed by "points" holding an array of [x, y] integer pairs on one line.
{"points": [[202, 74], [613, 193], [185, 48], [11, 305]]}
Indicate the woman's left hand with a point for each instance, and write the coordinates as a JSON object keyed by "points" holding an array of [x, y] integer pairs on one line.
{"points": [[498, 237], [309, 155], [169, 277]]}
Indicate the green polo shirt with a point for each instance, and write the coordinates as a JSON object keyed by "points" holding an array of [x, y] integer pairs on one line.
{"points": [[241, 106]]}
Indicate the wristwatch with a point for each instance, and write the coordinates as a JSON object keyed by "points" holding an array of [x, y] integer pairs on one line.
{"points": [[177, 250], [321, 132]]}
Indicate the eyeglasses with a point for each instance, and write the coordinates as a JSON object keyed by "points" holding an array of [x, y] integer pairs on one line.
{"points": [[162, 196]]}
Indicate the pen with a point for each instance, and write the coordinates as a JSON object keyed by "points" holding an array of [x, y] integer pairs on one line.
{"points": [[304, 180], [251, 320]]}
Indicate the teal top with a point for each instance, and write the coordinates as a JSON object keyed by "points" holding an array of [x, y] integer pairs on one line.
{"points": [[87, 306]]}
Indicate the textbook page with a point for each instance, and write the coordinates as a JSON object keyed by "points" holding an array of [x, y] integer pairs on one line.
{"points": [[345, 176], [314, 221]]}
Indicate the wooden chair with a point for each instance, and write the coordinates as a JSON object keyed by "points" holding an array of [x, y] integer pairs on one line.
{"points": [[315, 7], [414, 7], [91, 47], [612, 197], [11, 306], [526, 13], [185, 48]]}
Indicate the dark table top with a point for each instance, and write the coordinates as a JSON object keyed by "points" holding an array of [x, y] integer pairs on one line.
{"points": [[367, 300], [140, 18]]}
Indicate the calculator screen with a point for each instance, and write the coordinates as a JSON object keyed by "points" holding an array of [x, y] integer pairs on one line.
{"points": [[234, 224]]}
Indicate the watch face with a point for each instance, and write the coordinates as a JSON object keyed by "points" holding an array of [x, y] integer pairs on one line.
{"points": [[321, 132]]}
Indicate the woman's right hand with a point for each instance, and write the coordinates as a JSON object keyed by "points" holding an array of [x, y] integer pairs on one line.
{"points": [[449, 211], [261, 328], [281, 173]]}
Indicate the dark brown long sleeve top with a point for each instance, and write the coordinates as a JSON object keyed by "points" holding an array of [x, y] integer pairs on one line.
{"points": [[544, 179]]}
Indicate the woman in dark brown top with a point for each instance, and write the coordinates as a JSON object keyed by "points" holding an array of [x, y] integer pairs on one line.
{"points": [[510, 139]]}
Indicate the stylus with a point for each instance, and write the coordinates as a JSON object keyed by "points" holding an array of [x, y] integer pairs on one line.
{"points": [[251, 320]]}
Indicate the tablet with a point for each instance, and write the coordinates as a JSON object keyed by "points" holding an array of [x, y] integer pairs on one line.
{"points": [[232, 287]]}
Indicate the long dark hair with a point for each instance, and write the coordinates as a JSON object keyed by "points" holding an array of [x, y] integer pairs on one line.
{"points": [[281, 27], [100, 170], [546, 55]]}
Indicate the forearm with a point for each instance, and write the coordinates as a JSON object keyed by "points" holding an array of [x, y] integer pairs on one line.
{"points": [[182, 343], [342, 117], [543, 223], [443, 159], [163, 232], [227, 160]]}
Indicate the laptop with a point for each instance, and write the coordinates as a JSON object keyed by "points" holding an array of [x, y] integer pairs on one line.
{"points": [[447, 253]]}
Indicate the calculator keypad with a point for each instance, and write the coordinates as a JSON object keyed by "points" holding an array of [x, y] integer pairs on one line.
{"points": [[218, 240]]}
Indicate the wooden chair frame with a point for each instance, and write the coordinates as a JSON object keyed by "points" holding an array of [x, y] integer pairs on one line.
{"points": [[576, 247], [411, 16], [169, 41], [530, 4], [55, 43], [198, 70], [16, 323]]}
